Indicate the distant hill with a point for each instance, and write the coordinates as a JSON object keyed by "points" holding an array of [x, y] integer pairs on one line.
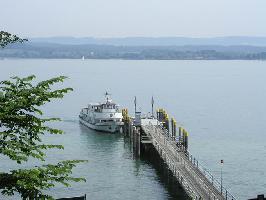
{"points": [[156, 41], [163, 52], [165, 48]]}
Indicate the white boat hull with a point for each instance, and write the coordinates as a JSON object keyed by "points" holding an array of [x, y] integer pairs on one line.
{"points": [[111, 127]]}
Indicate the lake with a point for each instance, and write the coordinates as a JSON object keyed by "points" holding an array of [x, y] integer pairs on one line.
{"points": [[222, 104]]}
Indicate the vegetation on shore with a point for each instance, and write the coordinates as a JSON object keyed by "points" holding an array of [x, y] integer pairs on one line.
{"points": [[92, 51]]}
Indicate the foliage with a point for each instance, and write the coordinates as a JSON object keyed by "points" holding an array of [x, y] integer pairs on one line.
{"points": [[21, 130], [19, 110], [31, 182], [7, 38]]}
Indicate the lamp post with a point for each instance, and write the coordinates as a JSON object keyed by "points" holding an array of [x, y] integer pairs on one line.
{"points": [[152, 103], [222, 162], [135, 103]]}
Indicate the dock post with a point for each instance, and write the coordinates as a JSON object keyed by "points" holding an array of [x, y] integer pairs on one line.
{"points": [[172, 127], [167, 124], [160, 115], [134, 141], [131, 133], [226, 194], [139, 141], [179, 133], [174, 130], [186, 139]]}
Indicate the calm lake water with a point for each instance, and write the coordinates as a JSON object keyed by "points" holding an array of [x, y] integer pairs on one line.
{"points": [[222, 104]]}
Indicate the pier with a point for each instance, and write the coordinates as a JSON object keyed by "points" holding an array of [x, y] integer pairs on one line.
{"points": [[171, 143]]}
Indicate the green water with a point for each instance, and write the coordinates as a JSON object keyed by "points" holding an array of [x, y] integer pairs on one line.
{"points": [[220, 103]]}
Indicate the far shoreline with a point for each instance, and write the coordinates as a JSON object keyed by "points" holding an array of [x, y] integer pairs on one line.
{"points": [[121, 59]]}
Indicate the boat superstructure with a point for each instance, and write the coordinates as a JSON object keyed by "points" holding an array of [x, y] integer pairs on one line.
{"points": [[105, 116]]}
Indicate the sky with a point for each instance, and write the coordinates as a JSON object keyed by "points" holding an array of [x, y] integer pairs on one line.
{"points": [[133, 18]]}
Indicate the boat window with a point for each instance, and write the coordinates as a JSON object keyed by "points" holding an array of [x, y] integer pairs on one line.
{"points": [[97, 108], [108, 106]]}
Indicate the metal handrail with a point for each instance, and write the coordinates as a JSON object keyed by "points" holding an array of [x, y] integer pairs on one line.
{"points": [[207, 174]]}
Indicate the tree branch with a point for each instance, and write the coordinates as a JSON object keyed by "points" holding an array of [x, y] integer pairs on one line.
{"points": [[7, 38]]}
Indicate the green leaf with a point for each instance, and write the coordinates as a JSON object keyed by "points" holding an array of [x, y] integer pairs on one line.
{"points": [[21, 131], [7, 38]]}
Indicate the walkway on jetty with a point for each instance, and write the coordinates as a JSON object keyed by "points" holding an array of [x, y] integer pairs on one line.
{"points": [[196, 181]]}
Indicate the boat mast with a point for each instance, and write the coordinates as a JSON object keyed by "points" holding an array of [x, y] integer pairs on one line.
{"points": [[107, 95], [152, 103], [135, 103]]}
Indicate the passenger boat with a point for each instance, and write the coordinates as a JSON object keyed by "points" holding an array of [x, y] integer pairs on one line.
{"points": [[105, 116]]}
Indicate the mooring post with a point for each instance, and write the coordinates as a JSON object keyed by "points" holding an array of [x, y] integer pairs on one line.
{"points": [[160, 115], [139, 141], [172, 127], [186, 140], [126, 126], [166, 123], [134, 139], [179, 133], [225, 194], [131, 132]]}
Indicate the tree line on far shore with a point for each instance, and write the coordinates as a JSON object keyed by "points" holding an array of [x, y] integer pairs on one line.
{"points": [[92, 51]]}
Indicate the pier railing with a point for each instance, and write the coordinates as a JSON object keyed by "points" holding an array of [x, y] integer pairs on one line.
{"points": [[198, 167], [216, 183]]}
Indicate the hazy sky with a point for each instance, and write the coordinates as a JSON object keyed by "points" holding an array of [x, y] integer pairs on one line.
{"points": [[121, 18]]}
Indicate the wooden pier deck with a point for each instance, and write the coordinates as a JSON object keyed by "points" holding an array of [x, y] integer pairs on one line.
{"points": [[195, 180]]}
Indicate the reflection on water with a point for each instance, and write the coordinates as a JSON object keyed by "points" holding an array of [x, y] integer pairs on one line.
{"points": [[164, 175], [112, 170], [147, 167]]}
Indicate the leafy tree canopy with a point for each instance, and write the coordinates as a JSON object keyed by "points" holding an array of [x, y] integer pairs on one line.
{"points": [[20, 137], [21, 129], [7, 38]]}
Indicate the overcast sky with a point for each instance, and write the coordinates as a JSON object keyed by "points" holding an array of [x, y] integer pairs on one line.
{"points": [[122, 18]]}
